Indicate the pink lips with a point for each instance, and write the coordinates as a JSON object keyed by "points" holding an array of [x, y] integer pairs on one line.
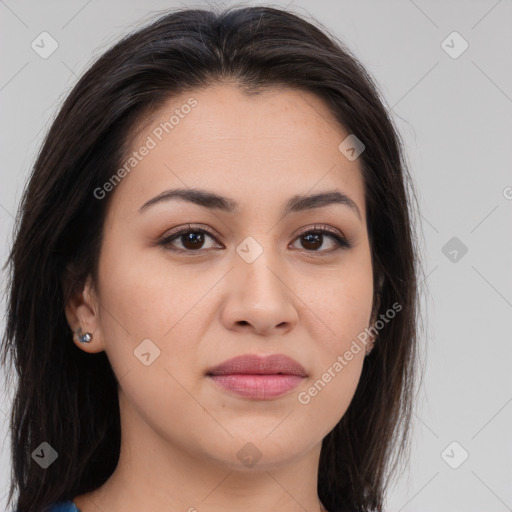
{"points": [[258, 377]]}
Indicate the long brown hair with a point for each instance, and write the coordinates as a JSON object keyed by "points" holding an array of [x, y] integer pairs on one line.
{"points": [[67, 397]]}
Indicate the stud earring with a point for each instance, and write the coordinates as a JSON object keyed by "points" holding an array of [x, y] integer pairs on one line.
{"points": [[83, 338]]}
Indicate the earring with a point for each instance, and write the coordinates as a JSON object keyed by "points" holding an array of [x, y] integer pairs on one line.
{"points": [[83, 338]]}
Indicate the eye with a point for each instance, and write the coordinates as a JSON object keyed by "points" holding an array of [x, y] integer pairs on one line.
{"points": [[192, 239], [313, 238]]}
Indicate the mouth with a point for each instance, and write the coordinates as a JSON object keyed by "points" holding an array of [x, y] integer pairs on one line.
{"points": [[257, 377]]}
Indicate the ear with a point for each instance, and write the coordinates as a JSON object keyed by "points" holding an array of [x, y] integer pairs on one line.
{"points": [[378, 295], [82, 312], [375, 312]]}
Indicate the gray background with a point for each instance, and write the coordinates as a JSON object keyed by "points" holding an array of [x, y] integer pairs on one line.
{"points": [[455, 115]]}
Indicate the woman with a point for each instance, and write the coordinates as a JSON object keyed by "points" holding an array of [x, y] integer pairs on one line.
{"points": [[213, 288]]}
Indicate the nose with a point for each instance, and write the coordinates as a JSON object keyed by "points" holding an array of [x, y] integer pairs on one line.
{"points": [[259, 297]]}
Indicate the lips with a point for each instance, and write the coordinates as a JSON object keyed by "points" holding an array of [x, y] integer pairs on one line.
{"points": [[251, 364], [256, 377]]}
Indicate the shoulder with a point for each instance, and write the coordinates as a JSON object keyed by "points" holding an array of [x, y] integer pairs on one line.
{"points": [[63, 506]]}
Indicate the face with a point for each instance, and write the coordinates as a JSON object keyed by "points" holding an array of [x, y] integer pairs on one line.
{"points": [[184, 287]]}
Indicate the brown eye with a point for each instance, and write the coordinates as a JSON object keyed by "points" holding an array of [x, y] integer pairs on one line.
{"points": [[313, 240], [191, 239]]}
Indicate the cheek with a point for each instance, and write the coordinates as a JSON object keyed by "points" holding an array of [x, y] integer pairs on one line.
{"points": [[350, 308], [146, 309], [340, 351], [341, 302], [143, 298], [148, 296], [343, 306], [327, 397]]}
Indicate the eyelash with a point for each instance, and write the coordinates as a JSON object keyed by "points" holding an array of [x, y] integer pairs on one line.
{"points": [[341, 242]]}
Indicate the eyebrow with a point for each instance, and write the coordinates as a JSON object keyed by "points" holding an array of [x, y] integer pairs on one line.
{"points": [[297, 203]]}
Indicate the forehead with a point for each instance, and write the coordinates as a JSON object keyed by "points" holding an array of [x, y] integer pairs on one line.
{"points": [[268, 146]]}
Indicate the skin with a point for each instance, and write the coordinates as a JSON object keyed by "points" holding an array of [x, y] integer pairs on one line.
{"points": [[180, 433]]}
